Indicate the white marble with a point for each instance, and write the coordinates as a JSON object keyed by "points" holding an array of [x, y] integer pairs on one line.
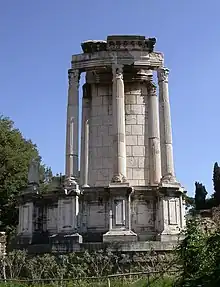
{"points": [[170, 220], [118, 114], [126, 153], [86, 155], [26, 219], [72, 126], [165, 125], [51, 225], [84, 151], [67, 214], [154, 136]]}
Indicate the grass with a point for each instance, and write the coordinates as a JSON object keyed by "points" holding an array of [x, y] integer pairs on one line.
{"points": [[162, 282]]}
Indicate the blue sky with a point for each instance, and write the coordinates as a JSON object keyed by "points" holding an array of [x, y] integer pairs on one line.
{"points": [[38, 38]]}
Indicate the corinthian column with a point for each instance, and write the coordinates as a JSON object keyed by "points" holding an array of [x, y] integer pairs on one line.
{"points": [[165, 127], [72, 128], [154, 135], [118, 114], [84, 154]]}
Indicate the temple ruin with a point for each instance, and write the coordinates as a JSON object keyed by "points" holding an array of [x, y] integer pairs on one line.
{"points": [[126, 190]]}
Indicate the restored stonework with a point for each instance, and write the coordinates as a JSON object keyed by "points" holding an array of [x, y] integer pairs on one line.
{"points": [[127, 190]]}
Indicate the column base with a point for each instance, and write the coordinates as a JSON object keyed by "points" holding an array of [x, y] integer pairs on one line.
{"points": [[163, 237], [115, 235], [65, 242], [118, 184], [85, 185], [169, 181]]}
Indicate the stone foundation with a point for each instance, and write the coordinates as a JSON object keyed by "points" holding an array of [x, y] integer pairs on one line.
{"points": [[119, 236]]}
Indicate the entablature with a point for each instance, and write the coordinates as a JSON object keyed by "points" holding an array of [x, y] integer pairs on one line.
{"points": [[94, 61]]}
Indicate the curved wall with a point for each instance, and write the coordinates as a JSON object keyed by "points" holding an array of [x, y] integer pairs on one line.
{"points": [[100, 133]]}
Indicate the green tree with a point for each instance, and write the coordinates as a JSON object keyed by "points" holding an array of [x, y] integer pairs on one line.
{"points": [[199, 256], [190, 201], [216, 183], [15, 155], [200, 196], [192, 253]]}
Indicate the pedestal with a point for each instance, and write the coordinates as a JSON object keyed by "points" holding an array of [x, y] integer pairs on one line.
{"points": [[170, 213], [25, 226], [68, 209], [120, 215]]}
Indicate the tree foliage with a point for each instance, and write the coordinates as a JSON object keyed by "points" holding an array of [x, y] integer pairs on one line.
{"points": [[15, 155], [216, 183], [199, 256], [200, 196]]}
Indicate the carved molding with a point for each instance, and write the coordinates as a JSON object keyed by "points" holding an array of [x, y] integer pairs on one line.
{"points": [[152, 88], [73, 77], [120, 42], [119, 178], [89, 62], [163, 74], [132, 43], [117, 71], [92, 46]]}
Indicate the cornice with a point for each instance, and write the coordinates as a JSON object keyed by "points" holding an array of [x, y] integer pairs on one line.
{"points": [[141, 59]]}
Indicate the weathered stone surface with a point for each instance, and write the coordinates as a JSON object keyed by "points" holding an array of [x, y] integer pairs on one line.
{"points": [[26, 218], [137, 129], [141, 141], [165, 125], [131, 119], [52, 221], [138, 150], [119, 236], [140, 119], [123, 196], [131, 140]]}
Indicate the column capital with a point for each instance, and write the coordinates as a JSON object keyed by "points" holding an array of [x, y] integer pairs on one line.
{"points": [[74, 77], [152, 88], [117, 71], [162, 74]]}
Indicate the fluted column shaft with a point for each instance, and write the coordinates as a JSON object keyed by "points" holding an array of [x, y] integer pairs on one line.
{"points": [[154, 135], [165, 125], [118, 114], [72, 125], [84, 155]]}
